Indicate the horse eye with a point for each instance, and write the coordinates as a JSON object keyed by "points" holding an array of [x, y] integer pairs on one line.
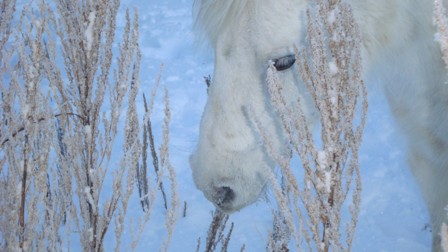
{"points": [[284, 63]]}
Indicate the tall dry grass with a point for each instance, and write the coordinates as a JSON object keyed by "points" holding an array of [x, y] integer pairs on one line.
{"points": [[310, 211], [66, 96]]}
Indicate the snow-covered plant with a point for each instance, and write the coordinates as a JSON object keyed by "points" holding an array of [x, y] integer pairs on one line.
{"points": [[33, 205], [330, 68], [441, 23], [444, 235], [86, 31], [216, 234], [65, 92], [279, 237]]}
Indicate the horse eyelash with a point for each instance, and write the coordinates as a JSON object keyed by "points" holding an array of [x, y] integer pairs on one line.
{"points": [[285, 62]]}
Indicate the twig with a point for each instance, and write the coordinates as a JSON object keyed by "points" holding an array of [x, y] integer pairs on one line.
{"points": [[215, 234], [40, 120]]}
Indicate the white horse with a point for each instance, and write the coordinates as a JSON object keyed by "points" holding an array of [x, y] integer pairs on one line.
{"points": [[397, 35]]}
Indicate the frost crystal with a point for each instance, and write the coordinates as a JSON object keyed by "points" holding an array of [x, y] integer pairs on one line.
{"points": [[333, 68], [87, 130], [322, 159], [88, 33], [328, 181], [90, 232], [331, 17], [25, 110]]}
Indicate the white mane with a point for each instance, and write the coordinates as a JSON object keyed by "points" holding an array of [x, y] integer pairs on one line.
{"points": [[210, 16]]}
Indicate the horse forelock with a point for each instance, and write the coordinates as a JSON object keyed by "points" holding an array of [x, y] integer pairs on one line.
{"points": [[211, 16]]}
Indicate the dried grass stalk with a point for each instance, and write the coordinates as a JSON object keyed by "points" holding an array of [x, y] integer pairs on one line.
{"points": [[216, 234], [330, 67]]}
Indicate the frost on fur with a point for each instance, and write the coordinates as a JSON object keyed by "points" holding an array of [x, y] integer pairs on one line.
{"points": [[331, 71]]}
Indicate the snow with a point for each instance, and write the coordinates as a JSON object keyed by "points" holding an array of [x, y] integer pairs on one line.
{"points": [[322, 159], [25, 110], [87, 130], [89, 196], [322, 162]]}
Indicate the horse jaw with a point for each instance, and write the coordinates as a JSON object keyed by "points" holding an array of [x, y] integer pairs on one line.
{"points": [[230, 163]]}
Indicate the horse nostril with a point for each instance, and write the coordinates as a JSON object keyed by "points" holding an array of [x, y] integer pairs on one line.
{"points": [[224, 195]]}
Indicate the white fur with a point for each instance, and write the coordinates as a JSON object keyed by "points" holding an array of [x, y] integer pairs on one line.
{"points": [[397, 42]]}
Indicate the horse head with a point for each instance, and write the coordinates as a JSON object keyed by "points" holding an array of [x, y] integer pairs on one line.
{"points": [[230, 161]]}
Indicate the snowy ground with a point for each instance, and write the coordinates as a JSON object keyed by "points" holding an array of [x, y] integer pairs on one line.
{"points": [[393, 215]]}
